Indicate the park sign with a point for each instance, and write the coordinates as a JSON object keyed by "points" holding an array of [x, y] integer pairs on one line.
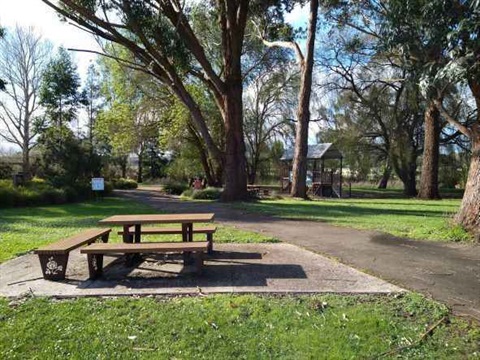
{"points": [[98, 184]]}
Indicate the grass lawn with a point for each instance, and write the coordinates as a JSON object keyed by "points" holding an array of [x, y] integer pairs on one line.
{"points": [[24, 229], [372, 191], [412, 218], [235, 327]]}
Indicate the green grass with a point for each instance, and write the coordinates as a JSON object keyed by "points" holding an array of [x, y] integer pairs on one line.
{"points": [[412, 218], [24, 229], [234, 327], [372, 191]]}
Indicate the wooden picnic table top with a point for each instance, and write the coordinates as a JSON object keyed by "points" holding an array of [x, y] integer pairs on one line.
{"points": [[157, 219]]}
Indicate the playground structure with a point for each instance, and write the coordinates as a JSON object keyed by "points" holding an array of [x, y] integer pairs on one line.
{"points": [[324, 170]]}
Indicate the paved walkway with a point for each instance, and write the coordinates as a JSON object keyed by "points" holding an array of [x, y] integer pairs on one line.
{"points": [[448, 272], [233, 268]]}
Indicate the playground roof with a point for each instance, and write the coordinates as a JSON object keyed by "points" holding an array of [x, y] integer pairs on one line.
{"points": [[315, 152]]}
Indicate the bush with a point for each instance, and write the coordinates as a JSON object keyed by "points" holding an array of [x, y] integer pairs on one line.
{"points": [[38, 192], [188, 193], [108, 188], [209, 193], [124, 184], [6, 171], [7, 194], [174, 188]]}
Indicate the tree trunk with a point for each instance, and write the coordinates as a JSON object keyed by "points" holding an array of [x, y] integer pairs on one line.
{"points": [[429, 178], [299, 171], [26, 163], [123, 167], [140, 167], [210, 175], [235, 161], [469, 213], [382, 184], [409, 183], [406, 170]]}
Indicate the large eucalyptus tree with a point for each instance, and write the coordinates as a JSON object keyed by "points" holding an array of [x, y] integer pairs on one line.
{"points": [[161, 36]]}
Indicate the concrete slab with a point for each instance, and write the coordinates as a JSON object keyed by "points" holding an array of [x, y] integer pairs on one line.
{"points": [[234, 268]]}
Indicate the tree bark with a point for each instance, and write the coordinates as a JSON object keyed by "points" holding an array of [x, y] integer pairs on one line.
{"points": [[299, 170], [429, 178], [140, 166], [213, 179], [382, 184], [405, 167], [469, 213], [235, 161]]}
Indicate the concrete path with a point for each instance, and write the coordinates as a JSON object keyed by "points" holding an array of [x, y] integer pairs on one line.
{"points": [[233, 268], [448, 272]]}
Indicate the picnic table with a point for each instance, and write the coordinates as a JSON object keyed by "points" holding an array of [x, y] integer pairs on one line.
{"points": [[132, 246], [136, 221]]}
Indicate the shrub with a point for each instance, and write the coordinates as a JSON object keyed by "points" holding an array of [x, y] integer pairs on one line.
{"points": [[174, 187], [38, 192], [108, 188], [188, 193], [209, 193], [124, 184], [6, 171], [7, 195]]}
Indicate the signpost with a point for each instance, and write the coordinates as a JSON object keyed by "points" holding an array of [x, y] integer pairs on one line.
{"points": [[98, 184]]}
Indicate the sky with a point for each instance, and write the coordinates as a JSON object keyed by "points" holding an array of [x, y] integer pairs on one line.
{"points": [[36, 14]]}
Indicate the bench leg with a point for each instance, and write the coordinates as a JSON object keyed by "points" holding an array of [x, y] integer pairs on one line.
{"points": [[53, 266], [105, 238], [210, 243], [199, 262], [187, 258], [95, 265]]}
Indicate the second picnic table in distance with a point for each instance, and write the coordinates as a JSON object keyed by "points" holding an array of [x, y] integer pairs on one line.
{"points": [[137, 221]]}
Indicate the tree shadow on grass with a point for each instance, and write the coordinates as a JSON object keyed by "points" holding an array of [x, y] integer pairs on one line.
{"points": [[334, 211]]}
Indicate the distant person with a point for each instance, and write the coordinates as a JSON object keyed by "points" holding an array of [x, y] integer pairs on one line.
{"points": [[197, 184]]}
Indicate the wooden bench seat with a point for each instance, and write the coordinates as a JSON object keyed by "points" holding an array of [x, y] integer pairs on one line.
{"points": [[54, 257], [95, 252], [208, 230]]}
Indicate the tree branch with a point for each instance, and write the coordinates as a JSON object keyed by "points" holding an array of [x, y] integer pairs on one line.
{"points": [[462, 128]]}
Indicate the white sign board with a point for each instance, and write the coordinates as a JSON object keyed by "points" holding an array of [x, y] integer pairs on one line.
{"points": [[98, 184]]}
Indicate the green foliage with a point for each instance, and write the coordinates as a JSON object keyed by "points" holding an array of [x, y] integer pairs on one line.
{"points": [[174, 187], [185, 165], [210, 193], [66, 160], [59, 89], [34, 193], [234, 326], [124, 184], [6, 171]]}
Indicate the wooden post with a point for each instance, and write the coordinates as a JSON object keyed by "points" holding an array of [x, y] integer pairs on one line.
{"points": [[138, 232]]}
